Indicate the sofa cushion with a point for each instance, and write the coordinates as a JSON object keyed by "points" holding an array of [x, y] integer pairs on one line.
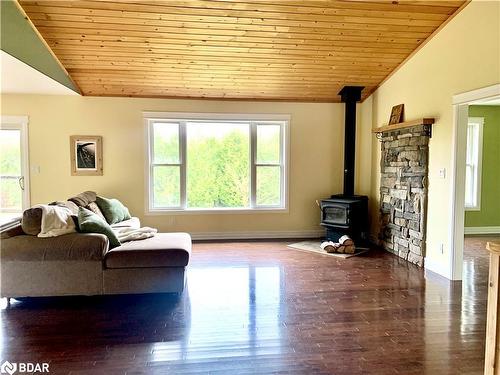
{"points": [[83, 199], [89, 222], [92, 206], [133, 223], [32, 221], [113, 210], [73, 246], [162, 250]]}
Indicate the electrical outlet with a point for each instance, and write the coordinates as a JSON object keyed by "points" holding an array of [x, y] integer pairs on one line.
{"points": [[441, 248], [442, 173]]}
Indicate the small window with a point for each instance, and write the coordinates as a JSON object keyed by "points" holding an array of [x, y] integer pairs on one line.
{"points": [[166, 165], [14, 169], [473, 163], [221, 163], [268, 165]]}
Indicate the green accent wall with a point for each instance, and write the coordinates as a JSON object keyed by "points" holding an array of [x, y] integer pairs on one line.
{"points": [[19, 39], [489, 215]]}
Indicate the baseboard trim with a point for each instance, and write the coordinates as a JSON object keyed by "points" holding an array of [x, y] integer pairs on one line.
{"points": [[257, 235], [482, 230]]}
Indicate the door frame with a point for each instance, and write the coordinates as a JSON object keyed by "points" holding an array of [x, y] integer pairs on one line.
{"points": [[21, 123], [459, 144]]}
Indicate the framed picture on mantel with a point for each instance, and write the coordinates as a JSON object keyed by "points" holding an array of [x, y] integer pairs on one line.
{"points": [[397, 114], [86, 155]]}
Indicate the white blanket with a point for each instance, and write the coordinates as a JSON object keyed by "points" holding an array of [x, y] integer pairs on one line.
{"points": [[56, 221], [133, 234]]}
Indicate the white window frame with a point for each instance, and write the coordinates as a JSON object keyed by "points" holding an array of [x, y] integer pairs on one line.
{"points": [[253, 119], [477, 172], [21, 123]]}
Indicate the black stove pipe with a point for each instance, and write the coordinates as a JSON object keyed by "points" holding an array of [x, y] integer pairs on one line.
{"points": [[350, 95]]}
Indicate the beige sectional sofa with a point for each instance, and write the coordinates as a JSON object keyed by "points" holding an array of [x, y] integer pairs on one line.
{"points": [[83, 264]]}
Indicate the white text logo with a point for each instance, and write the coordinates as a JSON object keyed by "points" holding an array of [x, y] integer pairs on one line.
{"points": [[23, 367]]}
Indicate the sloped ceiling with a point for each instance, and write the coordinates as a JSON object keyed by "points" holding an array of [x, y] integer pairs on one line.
{"points": [[234, 49]]}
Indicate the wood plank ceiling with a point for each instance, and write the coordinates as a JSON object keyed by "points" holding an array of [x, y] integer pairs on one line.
{"points": [[234, 49]]}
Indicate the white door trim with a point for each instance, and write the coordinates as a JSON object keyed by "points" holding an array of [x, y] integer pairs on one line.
{"points": [[479, 94], [459, 142], [21, 123]]}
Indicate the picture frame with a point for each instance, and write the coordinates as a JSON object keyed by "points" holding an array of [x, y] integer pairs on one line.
{"points": [[397, 114], [86, 155]]}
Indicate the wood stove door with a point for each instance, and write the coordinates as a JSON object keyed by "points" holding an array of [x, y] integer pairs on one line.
{"points": [[336, 215]]}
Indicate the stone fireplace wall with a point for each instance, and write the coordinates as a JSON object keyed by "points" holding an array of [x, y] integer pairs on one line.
{"points": [[403, 192]]}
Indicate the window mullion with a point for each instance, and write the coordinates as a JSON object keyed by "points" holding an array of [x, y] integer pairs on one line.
{"points": [[166, 164], [267, 165]]}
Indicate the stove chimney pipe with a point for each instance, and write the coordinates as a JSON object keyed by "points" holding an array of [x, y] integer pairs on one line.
{"points": [[350, 95]]}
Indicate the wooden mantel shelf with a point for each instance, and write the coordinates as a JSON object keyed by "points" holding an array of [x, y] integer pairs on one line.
{"points": [[402, 125]]}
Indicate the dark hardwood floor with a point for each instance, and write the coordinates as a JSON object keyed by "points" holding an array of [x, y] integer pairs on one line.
{"points": [[264, 308]]}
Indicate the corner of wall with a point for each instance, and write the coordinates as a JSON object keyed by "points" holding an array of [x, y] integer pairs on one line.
{"points": [[367, 161]]}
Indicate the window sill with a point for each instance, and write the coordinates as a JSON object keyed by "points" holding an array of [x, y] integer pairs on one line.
{"points": [[220, 211], [472, 209]]}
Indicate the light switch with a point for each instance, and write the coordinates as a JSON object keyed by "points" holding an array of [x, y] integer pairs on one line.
{"points": [[442, 173]]}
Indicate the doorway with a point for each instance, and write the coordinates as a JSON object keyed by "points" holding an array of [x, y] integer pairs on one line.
{"points": [[14, 168], [462, 167]]}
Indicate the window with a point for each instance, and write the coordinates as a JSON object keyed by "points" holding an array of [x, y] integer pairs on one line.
{"points": [[473, 163], [14, 171], [216, 162]]}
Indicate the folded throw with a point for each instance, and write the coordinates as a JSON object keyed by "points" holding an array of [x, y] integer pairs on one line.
{"points": [[131, 234], [56, 221]]}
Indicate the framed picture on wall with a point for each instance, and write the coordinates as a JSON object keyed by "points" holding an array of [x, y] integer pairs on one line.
{"points": [[86, 155], [397, 114]]}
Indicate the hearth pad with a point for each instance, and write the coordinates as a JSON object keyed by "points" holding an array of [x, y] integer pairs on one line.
{"points": [[313, 247]]}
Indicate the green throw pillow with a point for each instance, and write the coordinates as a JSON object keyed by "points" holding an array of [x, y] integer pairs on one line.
{"points": [[89, 222], [113, 210]]}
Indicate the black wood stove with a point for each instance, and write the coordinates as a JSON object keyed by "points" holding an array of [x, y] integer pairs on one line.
{"points": [[347, 213]]}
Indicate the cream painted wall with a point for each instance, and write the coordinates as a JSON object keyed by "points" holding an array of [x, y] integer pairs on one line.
{"points": [[463, 56], [316, 164]]}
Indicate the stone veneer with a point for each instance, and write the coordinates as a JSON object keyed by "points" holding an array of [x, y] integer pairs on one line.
{"points": [[403, 192]]}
